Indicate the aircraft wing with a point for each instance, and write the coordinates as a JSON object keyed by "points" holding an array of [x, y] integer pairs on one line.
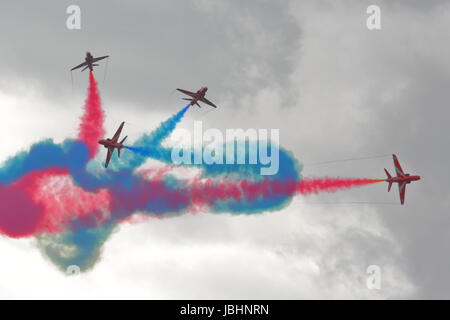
{"points": [[79, 66], [402, 190], [192, 94], [398, 168], [118, 132], [108, 156], [99, 58], [208, 102]]}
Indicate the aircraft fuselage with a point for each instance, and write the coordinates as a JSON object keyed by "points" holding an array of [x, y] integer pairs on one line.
{"points": [[406, 179], [88, 60], [108, 143], [199, 95]]}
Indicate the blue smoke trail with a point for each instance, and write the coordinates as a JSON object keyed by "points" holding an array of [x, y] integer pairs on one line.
{"points": [[289, 170], [81, 242], [151, 143], [71, 154], [79, 247]]}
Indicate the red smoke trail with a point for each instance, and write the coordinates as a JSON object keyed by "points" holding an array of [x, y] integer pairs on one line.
{"points": [[206, 192], [308, 186], [91, 127], [20, 215], [63, 201], [47, 201]]}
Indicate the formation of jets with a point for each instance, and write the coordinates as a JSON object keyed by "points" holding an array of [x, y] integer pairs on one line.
{"points": [[402, 178], [113, 143]]}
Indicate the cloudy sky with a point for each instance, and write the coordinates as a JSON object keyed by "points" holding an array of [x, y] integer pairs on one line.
{"points": [[335, 90]]}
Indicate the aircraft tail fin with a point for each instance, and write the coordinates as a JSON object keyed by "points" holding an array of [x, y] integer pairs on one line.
{"points": [[389, 177], [120, 148], [388, 174], [191, 100]]}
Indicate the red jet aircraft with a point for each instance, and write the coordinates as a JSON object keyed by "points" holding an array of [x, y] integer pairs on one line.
{"points": [[112, 144], [402, 179], [197, 96], [89, 62]]}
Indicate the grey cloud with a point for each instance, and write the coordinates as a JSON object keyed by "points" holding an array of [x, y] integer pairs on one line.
{"points": [[154, 46]]}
